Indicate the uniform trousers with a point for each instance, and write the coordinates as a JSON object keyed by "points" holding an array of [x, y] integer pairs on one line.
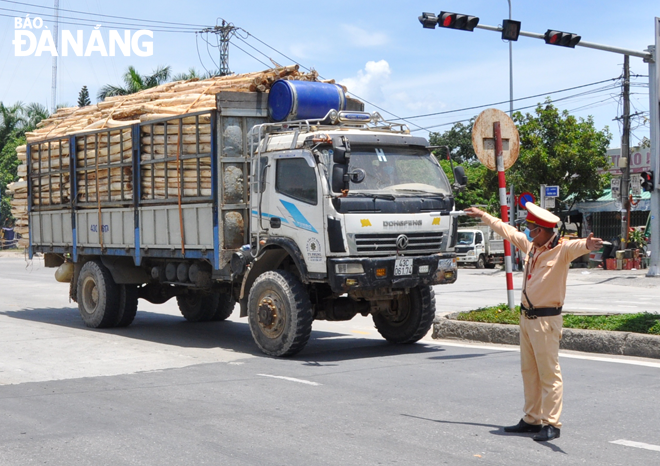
{"points": [[539, 362]]}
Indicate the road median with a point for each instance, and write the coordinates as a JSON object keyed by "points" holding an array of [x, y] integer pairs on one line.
{"points": [[590, 341]]}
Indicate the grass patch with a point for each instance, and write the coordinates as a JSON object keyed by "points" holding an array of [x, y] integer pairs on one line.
{"points": [[642, 322]]}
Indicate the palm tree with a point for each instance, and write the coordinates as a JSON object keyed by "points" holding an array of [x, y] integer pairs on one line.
{"points": [[11, 119], [192, 74], [32, 114], [135, 82]]}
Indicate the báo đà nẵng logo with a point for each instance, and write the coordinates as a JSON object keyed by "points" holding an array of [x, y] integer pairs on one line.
{"points": [[32, 37]]}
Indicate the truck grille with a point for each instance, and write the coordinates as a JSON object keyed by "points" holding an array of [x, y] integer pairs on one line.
{"points": [[462, 249], [385, 243]]}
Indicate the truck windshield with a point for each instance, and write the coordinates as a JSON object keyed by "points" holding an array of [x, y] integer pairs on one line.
{"points": [[464, 237], [398, 171]]}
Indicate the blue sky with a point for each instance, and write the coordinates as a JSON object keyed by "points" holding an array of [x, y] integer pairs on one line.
{"points": [[378, 49]]}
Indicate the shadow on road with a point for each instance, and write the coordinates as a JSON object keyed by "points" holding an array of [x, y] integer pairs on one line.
{"points": [[323, 347], [499, 431]]}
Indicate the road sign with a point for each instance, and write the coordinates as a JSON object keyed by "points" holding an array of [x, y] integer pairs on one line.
{"points": [[483, 139], [550, 202], [525, 198], [551, 191]]}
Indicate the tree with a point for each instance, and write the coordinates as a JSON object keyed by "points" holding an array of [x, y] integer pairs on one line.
{"points": [[459, 141], [192, 74], [83, 97], [557, 148], [15, 121], [135, 82]]}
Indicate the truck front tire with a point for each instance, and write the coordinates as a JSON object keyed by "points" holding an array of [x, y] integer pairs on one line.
{"points": [[481, 262], [411, 317], [280, 313], [98, 296]]}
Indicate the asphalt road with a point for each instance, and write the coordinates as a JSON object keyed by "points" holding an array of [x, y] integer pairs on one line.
{"points": [[167, 392]]}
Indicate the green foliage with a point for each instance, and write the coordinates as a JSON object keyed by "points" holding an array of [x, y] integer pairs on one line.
{"points": [[459, 141], [15, 121], [192, 73], [639, 323], [83, 97], [500, 314], [558, 149], [643, 322], [135, 82]]}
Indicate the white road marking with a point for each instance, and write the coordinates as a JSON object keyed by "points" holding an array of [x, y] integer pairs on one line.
{"points": [[588, 357], [290, 379], [630, 443]]}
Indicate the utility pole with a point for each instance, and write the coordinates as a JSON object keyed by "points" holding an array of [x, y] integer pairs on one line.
{"points": [[625, 155], [53, 88], [226, 31]]}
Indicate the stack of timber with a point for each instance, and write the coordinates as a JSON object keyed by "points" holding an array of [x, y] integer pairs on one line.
{"points": [[103, 160]]}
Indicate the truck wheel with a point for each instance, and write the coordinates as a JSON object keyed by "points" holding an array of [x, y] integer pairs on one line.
{"points": [[128, 303], [481, 262], [225, 307], [411, 317], [198, 307], [280, 313], [98, 296]]}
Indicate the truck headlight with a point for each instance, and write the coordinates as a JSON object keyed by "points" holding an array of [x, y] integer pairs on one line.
{"points": [[349, 268], [470, 253]]}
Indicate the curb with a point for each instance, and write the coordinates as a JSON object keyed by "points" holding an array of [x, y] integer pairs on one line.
{"points": [[589, 341]]}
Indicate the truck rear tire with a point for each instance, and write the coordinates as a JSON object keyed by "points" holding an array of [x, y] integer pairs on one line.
{"points": [[411, 319], [280, 313], [198, 307], [98, 296], [225, 307], [481, 262], [128, 303]]}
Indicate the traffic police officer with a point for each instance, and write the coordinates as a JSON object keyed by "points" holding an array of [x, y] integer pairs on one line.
{"points": [[547, 261]]}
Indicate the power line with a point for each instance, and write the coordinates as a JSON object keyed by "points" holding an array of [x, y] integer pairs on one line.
{"points": [[105, 16], [125, 27]]}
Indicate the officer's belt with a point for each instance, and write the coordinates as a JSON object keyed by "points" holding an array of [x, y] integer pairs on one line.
{"points": [[540, 311]]}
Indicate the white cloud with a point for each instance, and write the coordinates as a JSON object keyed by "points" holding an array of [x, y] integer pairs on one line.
{"points": [[361, 38], [369, 83]]}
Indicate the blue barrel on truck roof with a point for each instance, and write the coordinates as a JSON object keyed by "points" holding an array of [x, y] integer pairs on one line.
{"points": [[304, 100]]}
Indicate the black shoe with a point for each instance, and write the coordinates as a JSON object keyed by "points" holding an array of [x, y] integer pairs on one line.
{"points": [[522, 427], [547, 433]]}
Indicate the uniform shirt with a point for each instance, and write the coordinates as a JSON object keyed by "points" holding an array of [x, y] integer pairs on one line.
{"points": [[546, 268]]}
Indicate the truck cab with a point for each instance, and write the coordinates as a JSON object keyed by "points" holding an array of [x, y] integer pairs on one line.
{"points": [[362, 213]]}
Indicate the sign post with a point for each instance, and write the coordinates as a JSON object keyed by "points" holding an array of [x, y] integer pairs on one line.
{"points": [[654, 117], [496, 142]]}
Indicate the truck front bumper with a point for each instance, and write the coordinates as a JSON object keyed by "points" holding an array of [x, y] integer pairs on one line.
{"points": [[379, 272]]}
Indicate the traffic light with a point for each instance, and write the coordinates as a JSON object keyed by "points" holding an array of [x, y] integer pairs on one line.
{"points": [[647, 181], [457, 21], [510, 29], [428, 20], [564, 39]]}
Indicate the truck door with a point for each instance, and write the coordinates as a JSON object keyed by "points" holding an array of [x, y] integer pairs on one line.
{"points": [[296, 200], [479, 243]]}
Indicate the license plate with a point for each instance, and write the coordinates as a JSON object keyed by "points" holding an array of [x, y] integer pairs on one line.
{"points": [[403, 267]]}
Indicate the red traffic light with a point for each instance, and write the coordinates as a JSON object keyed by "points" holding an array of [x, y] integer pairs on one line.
{"points": [[563, 39], [457, 21], [647, 181]]}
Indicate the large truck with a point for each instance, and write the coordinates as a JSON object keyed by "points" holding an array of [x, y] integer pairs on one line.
{"points": [[479, 246], [295, 208]]}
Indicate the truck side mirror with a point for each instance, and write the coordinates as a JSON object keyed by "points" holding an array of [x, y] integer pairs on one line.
{"points": [[460, 178], [338, 173], [341, 155]]}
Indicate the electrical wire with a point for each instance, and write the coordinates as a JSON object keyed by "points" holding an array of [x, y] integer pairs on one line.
{"points": [[99, 14]]}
